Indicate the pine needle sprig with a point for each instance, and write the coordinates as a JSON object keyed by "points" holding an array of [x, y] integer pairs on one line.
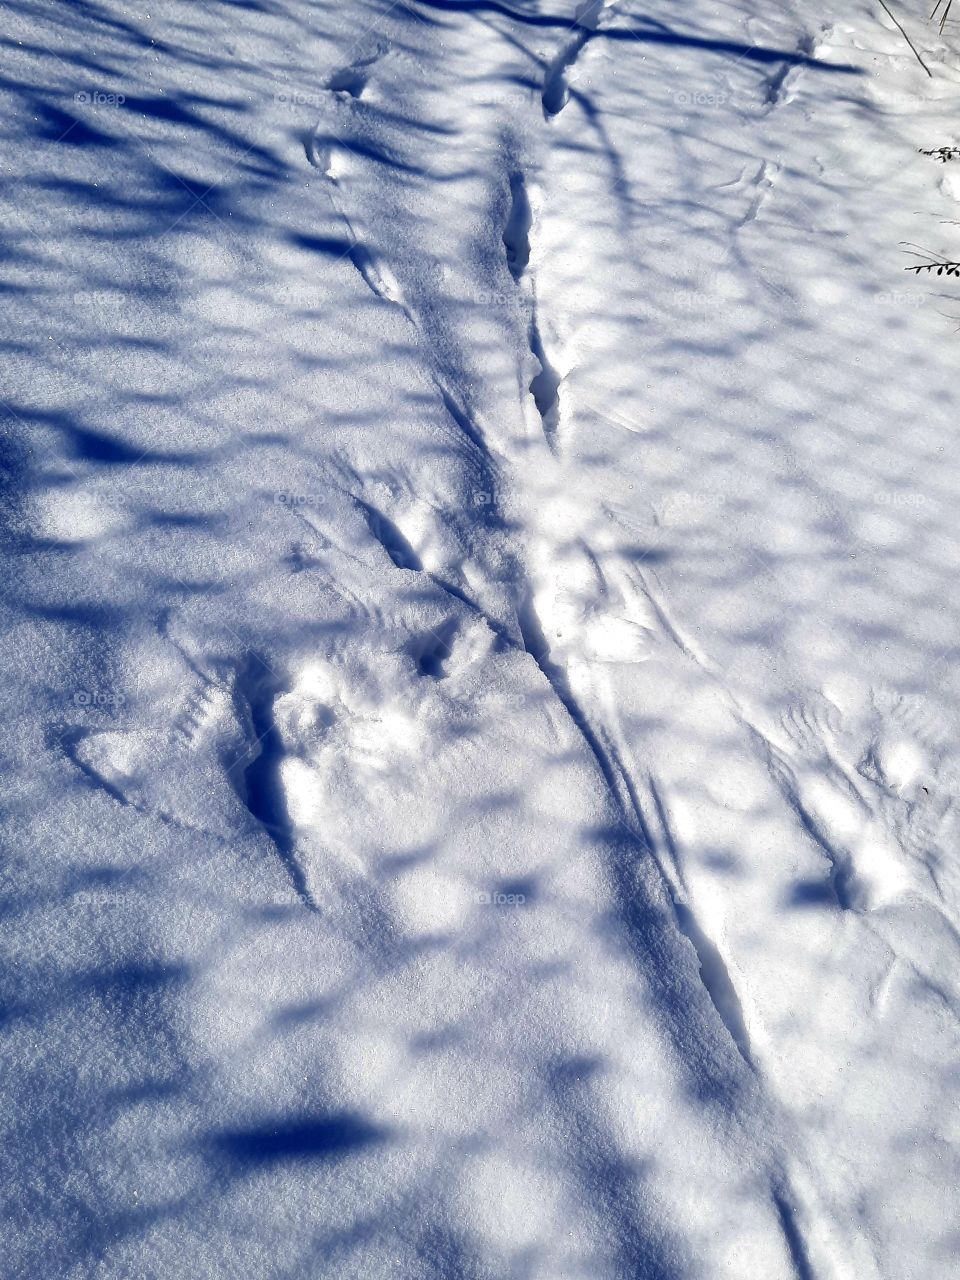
{"points": [[931, 262], [941, 268]]}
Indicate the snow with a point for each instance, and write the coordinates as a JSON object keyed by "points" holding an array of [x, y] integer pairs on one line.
{"points": [[480, 601]]}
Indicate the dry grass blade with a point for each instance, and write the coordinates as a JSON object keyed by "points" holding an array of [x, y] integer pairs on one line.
{"points": [[946, 12]]}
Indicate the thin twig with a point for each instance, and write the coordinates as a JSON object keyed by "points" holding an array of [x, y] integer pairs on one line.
{"points": [[885, 8]]}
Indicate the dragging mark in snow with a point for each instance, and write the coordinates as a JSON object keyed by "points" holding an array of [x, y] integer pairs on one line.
{"points": [[545, 384], [716, 980], [375, 274], [714, 975], [381, 282], [545, 387], [384, 531], [535, 644], [555, 93], [793, 1237]]}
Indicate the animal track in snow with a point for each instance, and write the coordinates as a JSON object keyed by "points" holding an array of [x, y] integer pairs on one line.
{"points": [[516, 232], [389, 536], [434, 652], [556, 93], [186, 772], [211, 769], [382, 283], [362, 739], [909, 759], [377, 276], [588, 613], [762, 184], [777, 86], [545, 386], [352, 80], [864, 786]]}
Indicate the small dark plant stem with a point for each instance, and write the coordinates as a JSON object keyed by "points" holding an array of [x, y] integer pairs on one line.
{"points": [[893, 18]]}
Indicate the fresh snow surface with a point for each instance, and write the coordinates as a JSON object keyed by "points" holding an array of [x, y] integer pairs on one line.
{"points": [[481, 601]]}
